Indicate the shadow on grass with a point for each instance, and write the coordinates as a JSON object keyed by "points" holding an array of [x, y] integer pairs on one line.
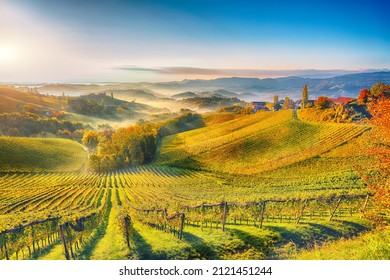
{"points": [[140, 249], [288, 235], [87, 249], [349, 229], [359, 227], [263, 245], [44, 251], [199, 249], [315, 233]]}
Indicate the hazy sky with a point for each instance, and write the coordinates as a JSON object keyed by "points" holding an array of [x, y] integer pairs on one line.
{"points": [[147, 40]]}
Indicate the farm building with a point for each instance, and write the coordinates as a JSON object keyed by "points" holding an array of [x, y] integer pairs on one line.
{"points": [[258, 105]]}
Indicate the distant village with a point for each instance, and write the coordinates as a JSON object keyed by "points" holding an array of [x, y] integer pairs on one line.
{"points": [[301, 103]]}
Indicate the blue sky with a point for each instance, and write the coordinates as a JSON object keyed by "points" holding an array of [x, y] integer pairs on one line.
{"points": [[148, 40]]}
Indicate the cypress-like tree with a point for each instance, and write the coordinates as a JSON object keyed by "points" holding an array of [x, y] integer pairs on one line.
{"points": [[305, 96], [286, 104]]}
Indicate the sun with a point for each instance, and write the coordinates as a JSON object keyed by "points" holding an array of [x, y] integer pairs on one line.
{"points": [[6, 53]]}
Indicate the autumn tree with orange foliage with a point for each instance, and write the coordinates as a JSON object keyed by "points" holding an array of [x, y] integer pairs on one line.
{"points": [[364, 96], [323, 102], [379, 108], [90, 139]]}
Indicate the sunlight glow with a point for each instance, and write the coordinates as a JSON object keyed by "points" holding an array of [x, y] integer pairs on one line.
{"points": [[6, 53]]}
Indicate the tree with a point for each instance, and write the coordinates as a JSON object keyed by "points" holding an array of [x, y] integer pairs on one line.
{"points": [[364, 96], [276, 105], [94, 162], [90, 139], [380, 90], [323, 102], [305, 96], [378, 181], [112, 95], [287, 103]]}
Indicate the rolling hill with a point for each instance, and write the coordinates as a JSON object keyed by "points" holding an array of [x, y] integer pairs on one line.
{"points": [[137, 95], [183, 95], [12, 100], [37, 155], [256, 143], [118, 108]]}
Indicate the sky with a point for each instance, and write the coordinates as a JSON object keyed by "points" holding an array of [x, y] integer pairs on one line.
{"points": [[165, 40]]}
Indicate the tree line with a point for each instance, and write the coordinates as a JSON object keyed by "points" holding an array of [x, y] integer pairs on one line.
{"points": [[133, 145], [29, 124]]}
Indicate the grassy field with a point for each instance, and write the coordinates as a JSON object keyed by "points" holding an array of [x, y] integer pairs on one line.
{"points": [[374, 245], [19, 154]]}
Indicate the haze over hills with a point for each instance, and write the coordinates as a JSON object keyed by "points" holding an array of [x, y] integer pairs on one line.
{"points": [[343, 85], [12, 100], [92, 109], [216, 93]]}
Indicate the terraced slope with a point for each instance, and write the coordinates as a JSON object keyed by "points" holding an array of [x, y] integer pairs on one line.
{"points": [[254, 144]]}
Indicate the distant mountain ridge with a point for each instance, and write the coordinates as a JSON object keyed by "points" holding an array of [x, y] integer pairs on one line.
{"points": [[344, 85], [265, 89]]}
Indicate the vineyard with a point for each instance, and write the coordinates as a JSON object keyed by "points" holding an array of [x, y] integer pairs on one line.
{"points": [[67, 211], [256, 143], [251, 187]]}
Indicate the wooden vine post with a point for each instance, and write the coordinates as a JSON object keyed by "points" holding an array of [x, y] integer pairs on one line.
{"points": [[363, 210], [262, 210], [67, 256], [33, 237], [165, 215], [302, 210], [182, 217], [335, 208], [127, 230], [225, 209], [6, 250]]}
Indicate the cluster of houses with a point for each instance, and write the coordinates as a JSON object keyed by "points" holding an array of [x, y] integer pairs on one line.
{"points": [[269, 106]]}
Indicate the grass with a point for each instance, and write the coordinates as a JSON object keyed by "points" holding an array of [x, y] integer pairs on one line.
{"points": [[240, 242], [112, 246], [374, 245], [148, 243], [38, 154], [55, 253], [97, 235], [237, 242]]}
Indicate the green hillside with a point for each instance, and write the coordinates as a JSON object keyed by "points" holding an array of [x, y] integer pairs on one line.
{"points": [[256, 143], [35, 155], [12, 100]]}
